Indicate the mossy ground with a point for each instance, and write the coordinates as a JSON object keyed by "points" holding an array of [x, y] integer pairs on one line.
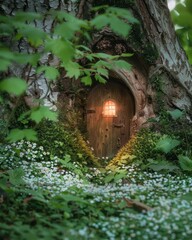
{"points": [[55, 189], [46, 199]]}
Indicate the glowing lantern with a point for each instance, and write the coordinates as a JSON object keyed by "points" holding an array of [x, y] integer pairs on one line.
{"points": [[109, 109]]}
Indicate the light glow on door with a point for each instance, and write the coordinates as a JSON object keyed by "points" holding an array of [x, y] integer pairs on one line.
{"points": [[109, 109]]}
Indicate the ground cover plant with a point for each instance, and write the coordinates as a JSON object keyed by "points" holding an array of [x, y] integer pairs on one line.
{"points": [[47, 197]]}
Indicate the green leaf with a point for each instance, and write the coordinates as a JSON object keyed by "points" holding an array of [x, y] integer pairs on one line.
{"points": [[73, 198], [43, 112], [122, 13], [18, 134], [62, 49], [27, 58], [34, 35], [126, 54], [90, 57], [166, 144], [153, 119], [36, 194], [187, 196], [128, 157], [102, 71], [100, 21], [120, 175], [60, 15], [103, 64], [122, 64], [102, 55], [185, 163], [7, 58], [188, 4], [183, 18], [73, 69], [160, 165], [6, 29], [26, 16], [67, 158], [109, 177], [16, 176], [4, 64], [86, 80], [67, 30], [51, 73], [6, 54], [100, 79], [122, 204], [85, 48], [175, 114], [13, 85], [5, 18], [69, 18], [119, 27]]}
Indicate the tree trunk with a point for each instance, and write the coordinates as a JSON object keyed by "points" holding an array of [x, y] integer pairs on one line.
{"points": [[171, 66], [172, 58], [38, 86]]}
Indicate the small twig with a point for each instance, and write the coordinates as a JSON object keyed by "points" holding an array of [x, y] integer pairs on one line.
{"points": [[80, 10], [137, 205]]}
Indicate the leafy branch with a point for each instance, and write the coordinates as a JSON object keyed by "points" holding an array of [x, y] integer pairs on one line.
{"points": [[64, 43]]}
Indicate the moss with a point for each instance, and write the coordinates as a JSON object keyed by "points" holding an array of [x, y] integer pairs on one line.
{"points": [[3, 129], [124, 156], [18, 110], [180, 129], [150, 53], [157, 84], [4, 116], [88, 154], [137, 40], [59, 141], [140, 148], [115, 3], [145, 144]]}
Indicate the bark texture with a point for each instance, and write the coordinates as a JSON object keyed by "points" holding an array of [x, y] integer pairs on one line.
{"points": [[171, 66], [172, 58], [38, 86], [136, 79]]}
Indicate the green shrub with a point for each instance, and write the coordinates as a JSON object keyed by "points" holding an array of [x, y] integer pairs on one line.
{"points": [[3, 129], [19, 109], [176, 125], [144, 147], [141, 147], [59, 141]]}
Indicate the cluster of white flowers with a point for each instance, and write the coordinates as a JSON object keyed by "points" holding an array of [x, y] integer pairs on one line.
{"points": [[40, 167], [170, 217]]}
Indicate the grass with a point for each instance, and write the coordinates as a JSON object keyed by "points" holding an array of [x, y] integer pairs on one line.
{"points": [[44, 197]]}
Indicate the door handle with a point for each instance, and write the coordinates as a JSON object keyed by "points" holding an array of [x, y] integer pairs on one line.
{"points": [[120, 125], [91, 111]]}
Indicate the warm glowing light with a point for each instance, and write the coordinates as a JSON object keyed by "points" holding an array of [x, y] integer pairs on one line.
{"points": [[109, 109]]}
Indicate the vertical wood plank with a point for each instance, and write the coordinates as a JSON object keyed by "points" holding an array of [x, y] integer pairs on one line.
{"points": [[108, 134]]}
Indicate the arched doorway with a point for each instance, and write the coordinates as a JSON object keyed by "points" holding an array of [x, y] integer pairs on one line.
{"points": [[110, 109]]}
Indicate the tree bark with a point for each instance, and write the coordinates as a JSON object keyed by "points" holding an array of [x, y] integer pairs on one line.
{"points": [[172, 58], [172, 64], [38, 86]]}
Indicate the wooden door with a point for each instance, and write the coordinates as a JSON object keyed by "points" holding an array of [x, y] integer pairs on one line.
{"points": [[110, 108]]}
